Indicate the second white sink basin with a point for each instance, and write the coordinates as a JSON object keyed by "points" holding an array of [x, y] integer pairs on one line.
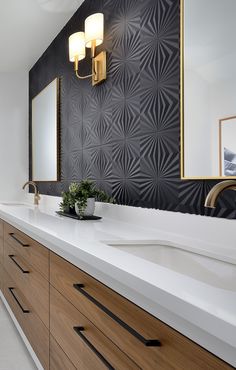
{"points": [[211, 271]]}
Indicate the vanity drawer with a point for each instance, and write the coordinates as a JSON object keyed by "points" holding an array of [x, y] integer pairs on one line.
{"points": [[31, 283], [32, 251], [58, 358], [83, 343], [34, 329], [127, 325]]}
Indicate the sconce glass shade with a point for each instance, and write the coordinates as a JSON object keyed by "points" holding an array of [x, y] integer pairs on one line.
{"points": [[77, 46], [94, 30]]}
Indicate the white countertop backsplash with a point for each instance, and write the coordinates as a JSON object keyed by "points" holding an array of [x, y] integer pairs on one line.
{"points": [[204, 313]]}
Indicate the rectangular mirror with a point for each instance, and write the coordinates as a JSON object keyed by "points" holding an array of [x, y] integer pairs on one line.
{"points": [[208, 93], [45, 134]]}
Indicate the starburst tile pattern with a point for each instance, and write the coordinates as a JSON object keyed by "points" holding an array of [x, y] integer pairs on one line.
{"points": [[124, 133]]}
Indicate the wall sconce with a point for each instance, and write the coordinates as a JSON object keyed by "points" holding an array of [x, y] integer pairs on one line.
{"points": [[91, 38]]}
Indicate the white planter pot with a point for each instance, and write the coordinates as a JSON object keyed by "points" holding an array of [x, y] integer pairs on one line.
{"points": [[90, 208]]}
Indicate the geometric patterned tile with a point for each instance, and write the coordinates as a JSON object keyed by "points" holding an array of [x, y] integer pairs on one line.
{"points": [[124, 134]]}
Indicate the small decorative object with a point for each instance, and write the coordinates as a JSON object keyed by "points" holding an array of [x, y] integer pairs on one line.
{"points": [[89, 210], [80, 198], [75, 217]]}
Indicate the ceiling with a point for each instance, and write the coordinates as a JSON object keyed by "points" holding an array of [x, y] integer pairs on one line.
{"points": [[27, 27]]}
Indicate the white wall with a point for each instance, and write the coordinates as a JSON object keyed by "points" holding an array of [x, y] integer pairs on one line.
{"points": [[13, 134]]}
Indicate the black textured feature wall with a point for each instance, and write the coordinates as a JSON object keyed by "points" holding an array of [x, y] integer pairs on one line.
{"points": [[124, 133]]}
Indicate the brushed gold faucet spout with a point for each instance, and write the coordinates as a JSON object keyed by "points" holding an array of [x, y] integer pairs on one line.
{"points": [[214, 193], [36, 192]]}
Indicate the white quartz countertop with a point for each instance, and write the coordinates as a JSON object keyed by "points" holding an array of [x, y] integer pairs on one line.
{"points": [[204, 312]]}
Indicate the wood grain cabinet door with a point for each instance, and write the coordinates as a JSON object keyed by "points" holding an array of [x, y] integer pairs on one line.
{"points": [[32, 251], [32, 284], [34, 329], [86, 347], [58, 358]]}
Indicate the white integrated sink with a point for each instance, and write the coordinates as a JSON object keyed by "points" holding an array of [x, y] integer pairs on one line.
{"points": [[212, 271]]}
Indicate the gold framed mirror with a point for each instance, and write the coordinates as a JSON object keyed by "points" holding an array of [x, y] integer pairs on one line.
{"points": [[207, 83], [45, 134]]}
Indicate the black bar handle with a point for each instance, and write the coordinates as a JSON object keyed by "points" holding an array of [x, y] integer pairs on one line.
{"points": [[18, 241], [17, 301], [12, 257], [146, 342], [79, 330]]}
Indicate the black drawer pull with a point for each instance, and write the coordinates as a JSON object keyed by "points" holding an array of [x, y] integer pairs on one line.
{"points": [[78, 330], [18, 241], [146, 342], [11, 256], [17, 301]]}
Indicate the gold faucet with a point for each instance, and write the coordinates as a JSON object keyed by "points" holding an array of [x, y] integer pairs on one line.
{"points": [[36, 192], [214, 193]]}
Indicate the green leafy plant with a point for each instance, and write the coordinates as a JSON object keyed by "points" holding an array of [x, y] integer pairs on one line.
{"points": [[69, 198], [79, 193]]}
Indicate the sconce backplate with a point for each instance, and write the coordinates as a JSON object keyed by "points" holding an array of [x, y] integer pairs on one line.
{"points": [[100, 65]]}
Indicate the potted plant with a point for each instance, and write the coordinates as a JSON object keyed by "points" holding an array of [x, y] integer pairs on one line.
{"points": [[69, 198], [81, 197]]}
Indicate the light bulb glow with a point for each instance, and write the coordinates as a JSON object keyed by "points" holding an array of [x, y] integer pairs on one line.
{"points": [[94, 30], [77, 46]]}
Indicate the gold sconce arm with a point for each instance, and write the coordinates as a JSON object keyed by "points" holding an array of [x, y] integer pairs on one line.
{"points": [[83, 77], [76, 68], [98, 68], [93, 47]]}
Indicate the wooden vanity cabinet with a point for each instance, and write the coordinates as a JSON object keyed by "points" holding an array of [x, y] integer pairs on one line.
{"points": [[150, 343], [26, 287], [73, 321]]}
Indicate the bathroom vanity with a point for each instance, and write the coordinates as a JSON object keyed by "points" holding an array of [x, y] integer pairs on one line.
{"points": [[73, 308]]}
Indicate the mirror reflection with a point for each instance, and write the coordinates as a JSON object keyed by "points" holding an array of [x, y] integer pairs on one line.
{"points": [[45, 132], [208, 88], [227, 146]]}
